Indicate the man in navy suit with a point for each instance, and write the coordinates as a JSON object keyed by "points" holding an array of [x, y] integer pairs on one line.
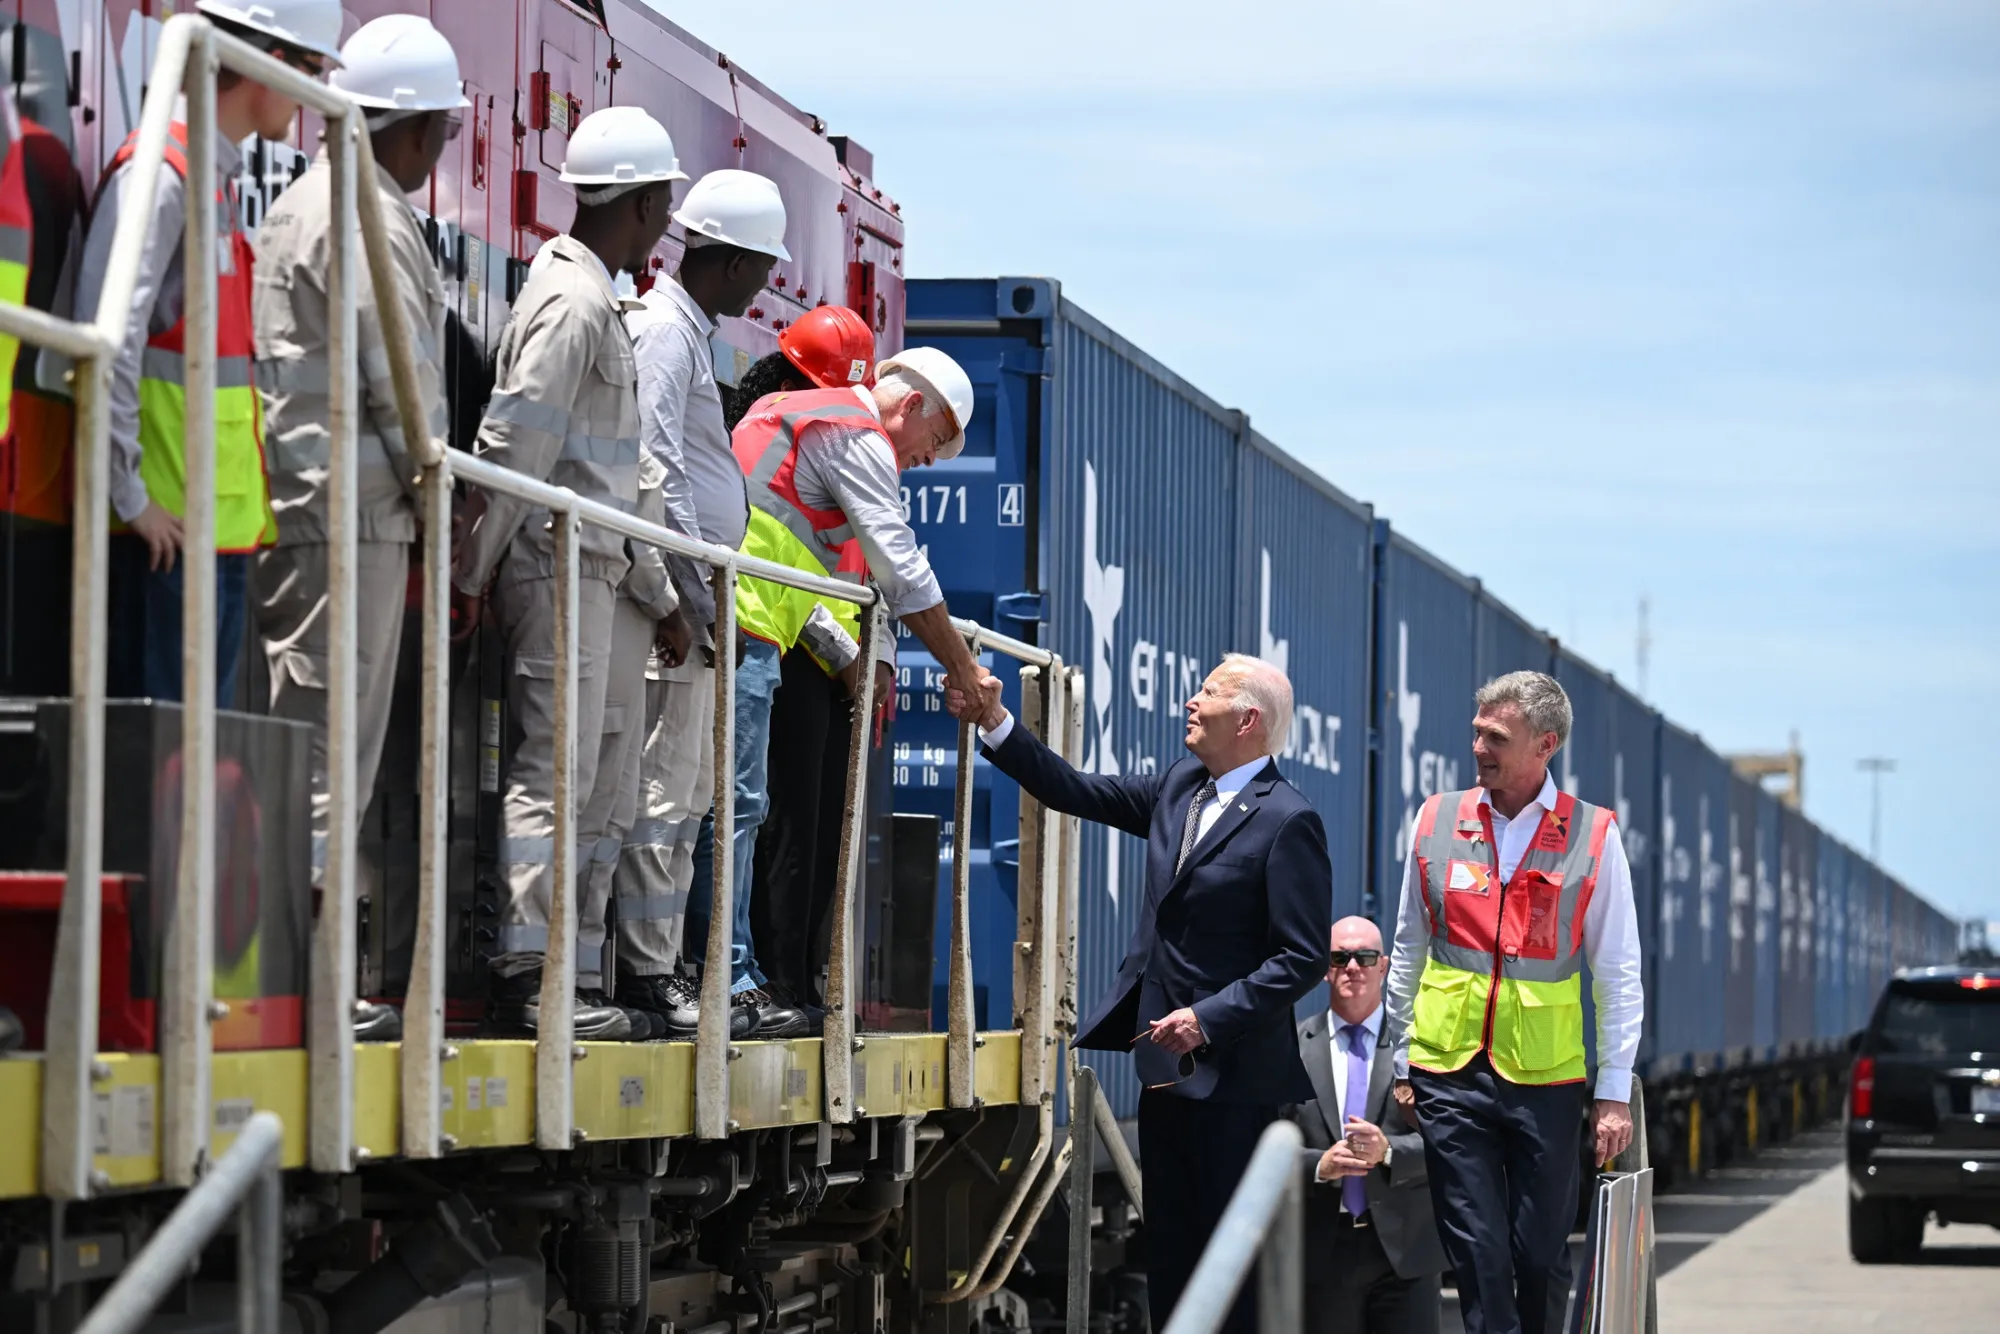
{"points": [[1233, 930]]}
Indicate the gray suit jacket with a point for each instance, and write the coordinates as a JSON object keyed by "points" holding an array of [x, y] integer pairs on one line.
{"points": [[1399, 1196]]}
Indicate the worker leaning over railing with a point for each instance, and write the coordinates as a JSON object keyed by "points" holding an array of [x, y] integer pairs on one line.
{"points": [[564, 411], [735, 223], [404, 72], [797, 864], [148, 400], [822, 468]]}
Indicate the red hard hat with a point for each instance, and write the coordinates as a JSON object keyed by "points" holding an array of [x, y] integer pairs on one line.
{"points": [[832, 345]]}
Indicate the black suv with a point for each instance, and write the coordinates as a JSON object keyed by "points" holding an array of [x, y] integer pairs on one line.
{"points": [[1923, 1112]]}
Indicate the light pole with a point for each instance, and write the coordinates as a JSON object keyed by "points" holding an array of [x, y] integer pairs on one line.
{"points": [[1875, 766]]}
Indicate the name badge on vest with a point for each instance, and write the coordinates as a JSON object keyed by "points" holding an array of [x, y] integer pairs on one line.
{"points": [[1469, 878]]}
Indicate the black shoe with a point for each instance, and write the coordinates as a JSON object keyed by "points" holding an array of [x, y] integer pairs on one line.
{"points": [[645, 1027], [375, 1022], [668, 997], [515, 1004], [781, 1017]]}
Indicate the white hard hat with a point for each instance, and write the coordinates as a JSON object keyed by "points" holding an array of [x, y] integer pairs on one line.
{"points": [[621, 146], [310, 25], [738, 208], [944, 375], [400, 62]]}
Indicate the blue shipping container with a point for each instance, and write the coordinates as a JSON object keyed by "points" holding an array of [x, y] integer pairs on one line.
{"points": [[1685, 1010], [1425, 618], [1740, 1015], [1109, 510], [1508, 643], [1797, 930], [1769, 841], [1635, 797]]}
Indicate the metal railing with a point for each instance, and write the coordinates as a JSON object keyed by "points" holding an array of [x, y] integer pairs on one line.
{"points": [[190, 54], [245, 1181], [1264, 1224]]}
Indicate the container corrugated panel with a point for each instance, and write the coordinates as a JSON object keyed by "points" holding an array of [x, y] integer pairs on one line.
{"points": [[1740, 1005], [1426, 614], [1830, 959], [1507, 642], [1769, 844], [1635, 796], [1684, 1007], [1305, 589], [1798, 929], [1583, 768], [1881, 941]]}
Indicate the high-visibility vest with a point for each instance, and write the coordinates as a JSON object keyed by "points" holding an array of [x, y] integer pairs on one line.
{"points": [[243, 519], [783, 528], [17, 243], [1505, 971], [39, 197]]}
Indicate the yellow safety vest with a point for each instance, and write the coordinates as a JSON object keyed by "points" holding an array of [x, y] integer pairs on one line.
{"points": [[1505, 968]]}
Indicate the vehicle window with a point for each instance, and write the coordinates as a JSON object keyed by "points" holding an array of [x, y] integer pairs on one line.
{"points": [[1936, 1022]]}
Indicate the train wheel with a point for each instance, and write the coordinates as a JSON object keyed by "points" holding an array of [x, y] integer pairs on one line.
{"points": [[1694, 1133], [1750, 1126]]}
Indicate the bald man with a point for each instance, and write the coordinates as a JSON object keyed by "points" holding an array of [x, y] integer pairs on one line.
{"points": [[1372, 1251]]}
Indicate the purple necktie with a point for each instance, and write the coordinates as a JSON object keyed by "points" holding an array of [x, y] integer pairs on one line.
{"points": [[1354, 1190]]}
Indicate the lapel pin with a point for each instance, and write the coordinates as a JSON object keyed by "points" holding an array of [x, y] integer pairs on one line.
{"points": [[1241, 807]]}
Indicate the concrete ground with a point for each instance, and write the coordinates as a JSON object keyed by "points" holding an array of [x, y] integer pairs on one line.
{"points": [[1762, 1246]]}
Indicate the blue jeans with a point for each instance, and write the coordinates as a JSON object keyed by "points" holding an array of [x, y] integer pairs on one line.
{"points": [[756, 687], [145, 624]]}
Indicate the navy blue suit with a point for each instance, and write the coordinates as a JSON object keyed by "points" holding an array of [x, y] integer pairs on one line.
{"points": [[1239, 934]]}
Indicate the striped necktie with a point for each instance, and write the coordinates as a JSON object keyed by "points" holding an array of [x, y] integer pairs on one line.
{"points": [[1191, 831]]}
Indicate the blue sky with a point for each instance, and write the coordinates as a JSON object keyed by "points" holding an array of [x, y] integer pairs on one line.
{"points": [[1710, 291]]}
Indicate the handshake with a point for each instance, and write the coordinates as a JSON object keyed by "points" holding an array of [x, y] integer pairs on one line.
{"points": [[979, 703]]}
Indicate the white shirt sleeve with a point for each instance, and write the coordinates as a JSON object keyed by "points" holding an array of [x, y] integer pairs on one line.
{"points": [[999, 733], [1406, 966], [859, 469], [1611, 944]]}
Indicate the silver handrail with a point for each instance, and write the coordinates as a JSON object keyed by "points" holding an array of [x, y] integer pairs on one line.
{"points": [[244, 1181], [1263, 1224]]}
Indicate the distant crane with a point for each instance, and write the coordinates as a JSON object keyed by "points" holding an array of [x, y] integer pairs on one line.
{"points": [[1787, 764]]}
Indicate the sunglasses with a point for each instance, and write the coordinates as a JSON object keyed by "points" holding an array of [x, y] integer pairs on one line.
{"points": [[1184, 1066], [1366, 958]]}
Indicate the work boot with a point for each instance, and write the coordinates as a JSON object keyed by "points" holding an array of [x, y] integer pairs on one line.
{"points": [[376, 1022], [515, 1004], [645, 1027], [674, 1000], [782, 1016]]}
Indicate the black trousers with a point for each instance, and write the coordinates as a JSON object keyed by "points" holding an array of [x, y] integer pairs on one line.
{"points": [[798, 847], [1191, 1156], [1503, 1164], [1351, 1288], [34, 607]]}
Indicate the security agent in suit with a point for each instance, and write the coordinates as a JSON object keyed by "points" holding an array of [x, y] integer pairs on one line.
{"points": [[1372, 1247], [1230, 934]]}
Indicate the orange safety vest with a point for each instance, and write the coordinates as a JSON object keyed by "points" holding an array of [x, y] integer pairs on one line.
{"points": [[1505, 966], [243, 517], [783, 528], [37, 174]]}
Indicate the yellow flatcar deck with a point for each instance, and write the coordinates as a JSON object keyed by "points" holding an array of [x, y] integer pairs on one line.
{"points": [[623, 1091]]}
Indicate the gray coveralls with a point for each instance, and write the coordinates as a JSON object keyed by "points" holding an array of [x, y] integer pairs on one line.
{"points": [[564, 411]]}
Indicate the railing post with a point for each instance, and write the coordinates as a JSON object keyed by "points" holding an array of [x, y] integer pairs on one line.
{"points": [[260, 1254], [712, 1045], [556, 1047], [423, 1006], [1072, 867], [1036, 896], [1281, 1273], [959, 1054], [837, 1037], [330, 1035], [189, 973], [1082, 1164]]}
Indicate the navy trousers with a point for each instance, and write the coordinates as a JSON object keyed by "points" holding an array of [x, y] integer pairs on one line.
{"points": [[1503, 1164], [1192, 1155], [146, 614]]}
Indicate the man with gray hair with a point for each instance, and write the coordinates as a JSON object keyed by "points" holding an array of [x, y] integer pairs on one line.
{"points": [[1237, 907], [1510, 889]]}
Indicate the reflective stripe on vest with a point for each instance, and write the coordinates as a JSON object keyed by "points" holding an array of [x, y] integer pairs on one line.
{"points": [[1504, 972], [243, 517], [783, 528]]}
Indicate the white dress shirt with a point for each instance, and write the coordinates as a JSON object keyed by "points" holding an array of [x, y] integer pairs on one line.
{"points": [[853, 470], [1343, 1065], [1610, 946]]}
